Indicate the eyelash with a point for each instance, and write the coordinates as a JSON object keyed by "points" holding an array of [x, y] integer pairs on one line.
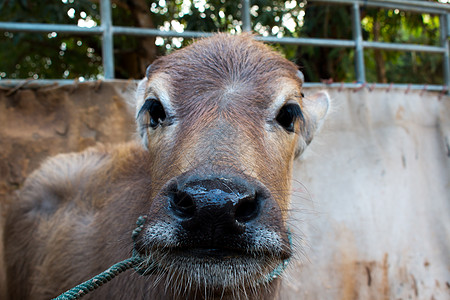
{"points": [[288, 115], [156, 112]]}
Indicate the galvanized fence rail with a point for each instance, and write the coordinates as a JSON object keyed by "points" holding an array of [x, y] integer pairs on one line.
{"points": [[108, 30]]}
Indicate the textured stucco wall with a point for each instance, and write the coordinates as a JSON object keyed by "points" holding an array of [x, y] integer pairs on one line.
{"points": [[371, 199], [376, 214], [37, 123]]}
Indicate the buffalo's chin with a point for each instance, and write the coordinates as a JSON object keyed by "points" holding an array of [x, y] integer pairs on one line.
{"points": [[211, 253], [215, 270]]}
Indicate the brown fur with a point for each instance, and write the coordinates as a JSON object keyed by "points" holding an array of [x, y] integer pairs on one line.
{"points": [[74, 216]]}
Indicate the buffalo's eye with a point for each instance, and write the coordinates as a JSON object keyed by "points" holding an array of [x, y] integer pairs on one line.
{"points": [[287, 116], [156, 112]]}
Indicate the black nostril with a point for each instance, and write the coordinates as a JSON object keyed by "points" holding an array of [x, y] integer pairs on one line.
{"points": [[183, 204], [247, 209]]}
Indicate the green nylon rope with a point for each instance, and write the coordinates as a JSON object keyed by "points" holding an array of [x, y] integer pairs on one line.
{"points": [[135, 261], [98, 280]]}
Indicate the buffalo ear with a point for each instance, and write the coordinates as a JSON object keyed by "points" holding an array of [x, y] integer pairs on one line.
{"points": [[301, 76], [315, 109], [140, 115], [317, 106], [148, 71]]}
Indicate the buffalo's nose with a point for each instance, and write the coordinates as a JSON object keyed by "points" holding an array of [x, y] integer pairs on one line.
{"points": [[223, 205]]}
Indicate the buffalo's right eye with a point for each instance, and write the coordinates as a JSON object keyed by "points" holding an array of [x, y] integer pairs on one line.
{"points": [[287, 116]]}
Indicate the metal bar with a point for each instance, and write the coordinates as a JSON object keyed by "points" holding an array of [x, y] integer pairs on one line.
{"points": [[245, 14], [107, 41], [307, 41], [419, 3], [39, 27], [448, 25], [359, 51], [387, 86], [116, 30], [156, 32], [443, 21], [414, 6], [108, 30], [41, 83], [403, 47], [53, 83], [350, 44]]}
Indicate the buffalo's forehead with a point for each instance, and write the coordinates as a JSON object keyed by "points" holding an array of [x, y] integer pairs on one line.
{"points": [[225, 74]]}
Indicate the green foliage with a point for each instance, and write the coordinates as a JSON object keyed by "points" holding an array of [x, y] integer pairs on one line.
{"points": [[24, 55], [332, 22], [403, 27], [52, 55]]}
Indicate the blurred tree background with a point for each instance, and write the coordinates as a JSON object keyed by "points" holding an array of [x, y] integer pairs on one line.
{"points": [[52, 55]]}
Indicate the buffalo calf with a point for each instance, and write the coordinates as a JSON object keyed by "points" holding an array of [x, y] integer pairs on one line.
{"points": [[219, 124]]}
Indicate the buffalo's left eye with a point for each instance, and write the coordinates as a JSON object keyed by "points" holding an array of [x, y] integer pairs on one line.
{"points": [[156, 112], [287, 116]]}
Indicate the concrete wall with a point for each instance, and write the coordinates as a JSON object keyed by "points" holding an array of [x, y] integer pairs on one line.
{"points": [[37, 123], [373, 205], [371, 201]]}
